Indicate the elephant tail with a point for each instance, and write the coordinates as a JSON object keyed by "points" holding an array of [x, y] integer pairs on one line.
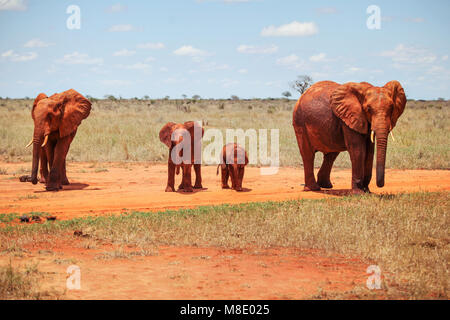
{"points": [[217, 171], [178, 170]]}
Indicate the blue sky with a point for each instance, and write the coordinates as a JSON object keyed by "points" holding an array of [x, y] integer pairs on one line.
{"points": [[218, 48]]}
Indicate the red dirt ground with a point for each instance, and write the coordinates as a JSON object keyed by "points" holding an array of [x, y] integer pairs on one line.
{"points": [[140, 187], [187, 272]]}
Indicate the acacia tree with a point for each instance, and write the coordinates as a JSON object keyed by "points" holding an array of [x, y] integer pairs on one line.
{"points": [[302, 83], [286, 94]]}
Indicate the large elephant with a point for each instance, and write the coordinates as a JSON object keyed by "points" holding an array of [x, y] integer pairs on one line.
{"points": [[331, 118], [56, 120], [172, 135]]}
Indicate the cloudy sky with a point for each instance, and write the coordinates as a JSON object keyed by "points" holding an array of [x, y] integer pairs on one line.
{"points": [[218, 48]]}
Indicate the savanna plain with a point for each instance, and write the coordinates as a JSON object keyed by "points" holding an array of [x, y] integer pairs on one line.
{"points": [[131, 240]]}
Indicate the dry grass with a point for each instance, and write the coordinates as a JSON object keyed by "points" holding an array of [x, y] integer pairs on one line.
{"points": [[16, 284], [406, 235], [127, 130]]}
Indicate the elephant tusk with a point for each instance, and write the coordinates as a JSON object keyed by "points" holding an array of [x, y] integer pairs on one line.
{"points": [[45, 141], [372, 134], [29, 144], [392, 135]]}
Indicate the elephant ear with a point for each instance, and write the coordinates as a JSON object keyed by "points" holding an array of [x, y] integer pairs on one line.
{"points": [[165, 135], [75, 108], [399, 98], [40, 97], [347, 104], [190, 126]]}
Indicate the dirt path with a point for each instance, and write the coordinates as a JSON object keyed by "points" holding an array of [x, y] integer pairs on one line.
{"points": [[194, 273], [116, 187]]}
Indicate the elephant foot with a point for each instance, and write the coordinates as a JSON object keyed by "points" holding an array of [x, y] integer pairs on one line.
{"points": [[366, 189], [52, 188], [314, 187], [198, 186], [187, 189], [357, 191], [326, 184], [42, 180], [169, 189], [181, 186], [225, 187], [65, 182]]}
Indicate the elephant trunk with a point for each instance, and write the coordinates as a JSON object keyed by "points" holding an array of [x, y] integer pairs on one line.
{"points": [[381, 141], [37, 141]]}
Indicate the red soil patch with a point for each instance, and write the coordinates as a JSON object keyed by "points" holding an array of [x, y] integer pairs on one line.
{"points": [[137, 186], [195, 273]]}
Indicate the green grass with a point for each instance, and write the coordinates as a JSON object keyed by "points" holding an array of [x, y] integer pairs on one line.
{"points": [[127, 130], [406, 235]]}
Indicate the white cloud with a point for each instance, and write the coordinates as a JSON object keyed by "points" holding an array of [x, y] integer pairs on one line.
{"points": [[30, 83], [116, 8], [293, 29], [149, 59], [150, 45], [12, 56], [124, 53], [135, 66], [291, 61], [327, 10], [243, 71], [409, 55], [226, 83], [444, 58], [190, 51], [116, 83], [12, 5], [79, 58], [415, 20], [37, 43], [121, 28], [318, 57], [257, 50]]}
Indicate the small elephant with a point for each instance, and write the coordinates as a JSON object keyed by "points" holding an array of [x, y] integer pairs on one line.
{"points": [[56, 120], [233, 161], [331, 118], [172, 135]]}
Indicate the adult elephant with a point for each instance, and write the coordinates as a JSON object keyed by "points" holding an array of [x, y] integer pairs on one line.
{"points": [[331, 118], [56, 120], [173, 135]]}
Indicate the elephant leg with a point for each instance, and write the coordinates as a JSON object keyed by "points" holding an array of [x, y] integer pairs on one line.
{"points": [[308, 155], [44, 166], [225, 176], [170, 177], [198, 176], [187, 180], [356, 146], [323, 177], [60, 153], [368, 164], [64, 180]]}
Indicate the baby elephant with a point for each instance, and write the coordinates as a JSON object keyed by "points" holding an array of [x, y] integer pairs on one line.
{"points": [[183, 153], [233, 162]]}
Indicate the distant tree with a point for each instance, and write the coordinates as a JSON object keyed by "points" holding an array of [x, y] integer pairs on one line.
{"points": [[286, 94], [109, 97], [196, 97], [146, 97], [302, 83], [166, 98], [233, 97], [184, 96], [441, 99]]}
